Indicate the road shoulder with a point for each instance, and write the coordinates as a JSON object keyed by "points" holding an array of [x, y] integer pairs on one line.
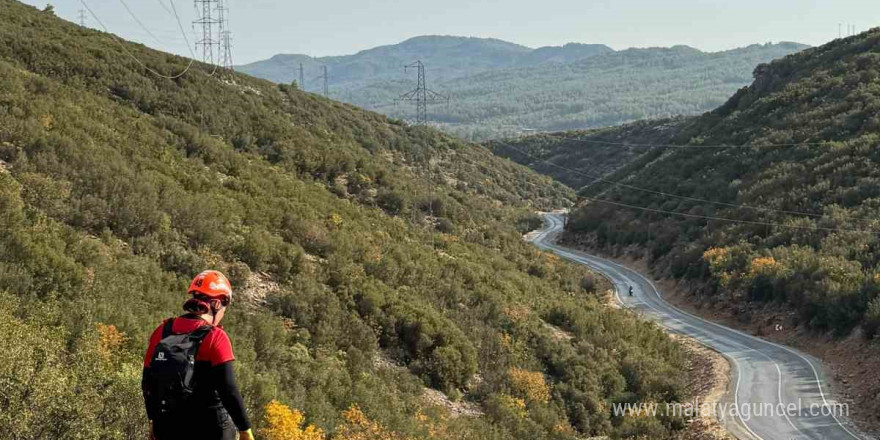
{"points": [[708, 383]]}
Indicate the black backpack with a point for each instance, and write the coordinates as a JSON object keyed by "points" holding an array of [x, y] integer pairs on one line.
{"points": [[172, 370]]}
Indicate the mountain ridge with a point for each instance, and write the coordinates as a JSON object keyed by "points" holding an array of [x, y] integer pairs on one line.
{"points": [[499, 88]]}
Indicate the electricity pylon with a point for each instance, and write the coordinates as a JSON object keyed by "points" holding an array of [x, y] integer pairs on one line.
{"points": [[225, 35], [326, 79], [210, 46], [422, 95], [82, 17]]}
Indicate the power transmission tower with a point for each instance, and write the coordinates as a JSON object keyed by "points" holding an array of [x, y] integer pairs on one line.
{"points": [[326, 79], [225, 34], [302, 78], [210, 46], [422, 95], [82, 17], [326, 83]]}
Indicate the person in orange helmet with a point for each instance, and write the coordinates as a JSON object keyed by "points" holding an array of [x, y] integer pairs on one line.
{"points": [[188, 382]]}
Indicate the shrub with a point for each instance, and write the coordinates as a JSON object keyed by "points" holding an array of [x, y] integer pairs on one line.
{"points": [[283, 423], [871, 326]]}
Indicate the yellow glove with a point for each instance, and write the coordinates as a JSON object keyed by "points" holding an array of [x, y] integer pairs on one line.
{"points": [[246, 435]]}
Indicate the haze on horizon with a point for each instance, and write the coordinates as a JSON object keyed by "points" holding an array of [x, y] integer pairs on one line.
{"points": [[263, 28]]}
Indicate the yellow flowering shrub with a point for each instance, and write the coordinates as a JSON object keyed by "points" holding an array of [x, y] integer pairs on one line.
{"points": [[358, 426], [530, 384], [283, 423], [517, 312], [716, 257], [335, 220], [110, 339], [515, 404], [434, 427], [47, 121], [762, 266]]}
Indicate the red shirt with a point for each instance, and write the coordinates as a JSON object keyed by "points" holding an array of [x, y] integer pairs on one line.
{"points": [[216, 347]]}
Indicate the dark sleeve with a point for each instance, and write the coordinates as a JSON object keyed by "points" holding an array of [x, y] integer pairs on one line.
{"points": [[145, 388], [230, 396]]}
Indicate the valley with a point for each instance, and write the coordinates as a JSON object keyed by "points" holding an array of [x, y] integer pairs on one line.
{"points": [[377, 284], [500, 89]]}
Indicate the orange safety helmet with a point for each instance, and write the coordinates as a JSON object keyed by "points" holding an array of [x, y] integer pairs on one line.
{"points": [[212, 284]]}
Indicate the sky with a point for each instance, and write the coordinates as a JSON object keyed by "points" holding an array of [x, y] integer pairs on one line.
{"points": [[263, 28]]}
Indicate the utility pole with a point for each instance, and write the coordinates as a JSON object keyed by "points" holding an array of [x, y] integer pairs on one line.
{"points": [[422, 95], [302, 78], [209, 45], [82, 17], [225, 40], [839, 30]]}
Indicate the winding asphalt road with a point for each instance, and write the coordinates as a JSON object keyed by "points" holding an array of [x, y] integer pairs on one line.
{"points": [[776, 392]]}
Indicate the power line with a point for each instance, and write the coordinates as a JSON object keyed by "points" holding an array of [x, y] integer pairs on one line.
{"points": [[162, 4], [422, 95], [698, 146], [140, 23], [707, 217], [665, 194], [131, 55], [180, 26]]}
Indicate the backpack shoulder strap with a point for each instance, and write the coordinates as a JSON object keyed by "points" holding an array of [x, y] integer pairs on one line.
{"points": [[166, 329], [200, 333]]}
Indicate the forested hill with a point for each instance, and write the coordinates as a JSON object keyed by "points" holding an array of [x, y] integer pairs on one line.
{"points": [[370, 259], [582, 158], [793, 163], [500, 89], [448, 57]]}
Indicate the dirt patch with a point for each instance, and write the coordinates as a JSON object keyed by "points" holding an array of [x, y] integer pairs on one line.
{"points": [[708, 379], [456, 409], [434, 397], [259, 285], [558, 333]]}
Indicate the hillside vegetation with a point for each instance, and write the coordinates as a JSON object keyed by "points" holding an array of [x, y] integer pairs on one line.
{"points": [[803, 189], [499, 89], [582, 158], [370, 259]]}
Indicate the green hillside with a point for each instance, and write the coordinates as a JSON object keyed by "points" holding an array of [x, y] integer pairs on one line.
{"points": [[802, 187], [581, 158], [499, 89], [371, 259]]}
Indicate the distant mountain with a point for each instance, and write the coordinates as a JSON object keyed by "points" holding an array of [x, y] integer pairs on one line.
{"points": [[448, 58], [502, 89]]}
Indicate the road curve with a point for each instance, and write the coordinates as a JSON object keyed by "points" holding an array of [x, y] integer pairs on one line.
{"points": [[764, 374]]}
